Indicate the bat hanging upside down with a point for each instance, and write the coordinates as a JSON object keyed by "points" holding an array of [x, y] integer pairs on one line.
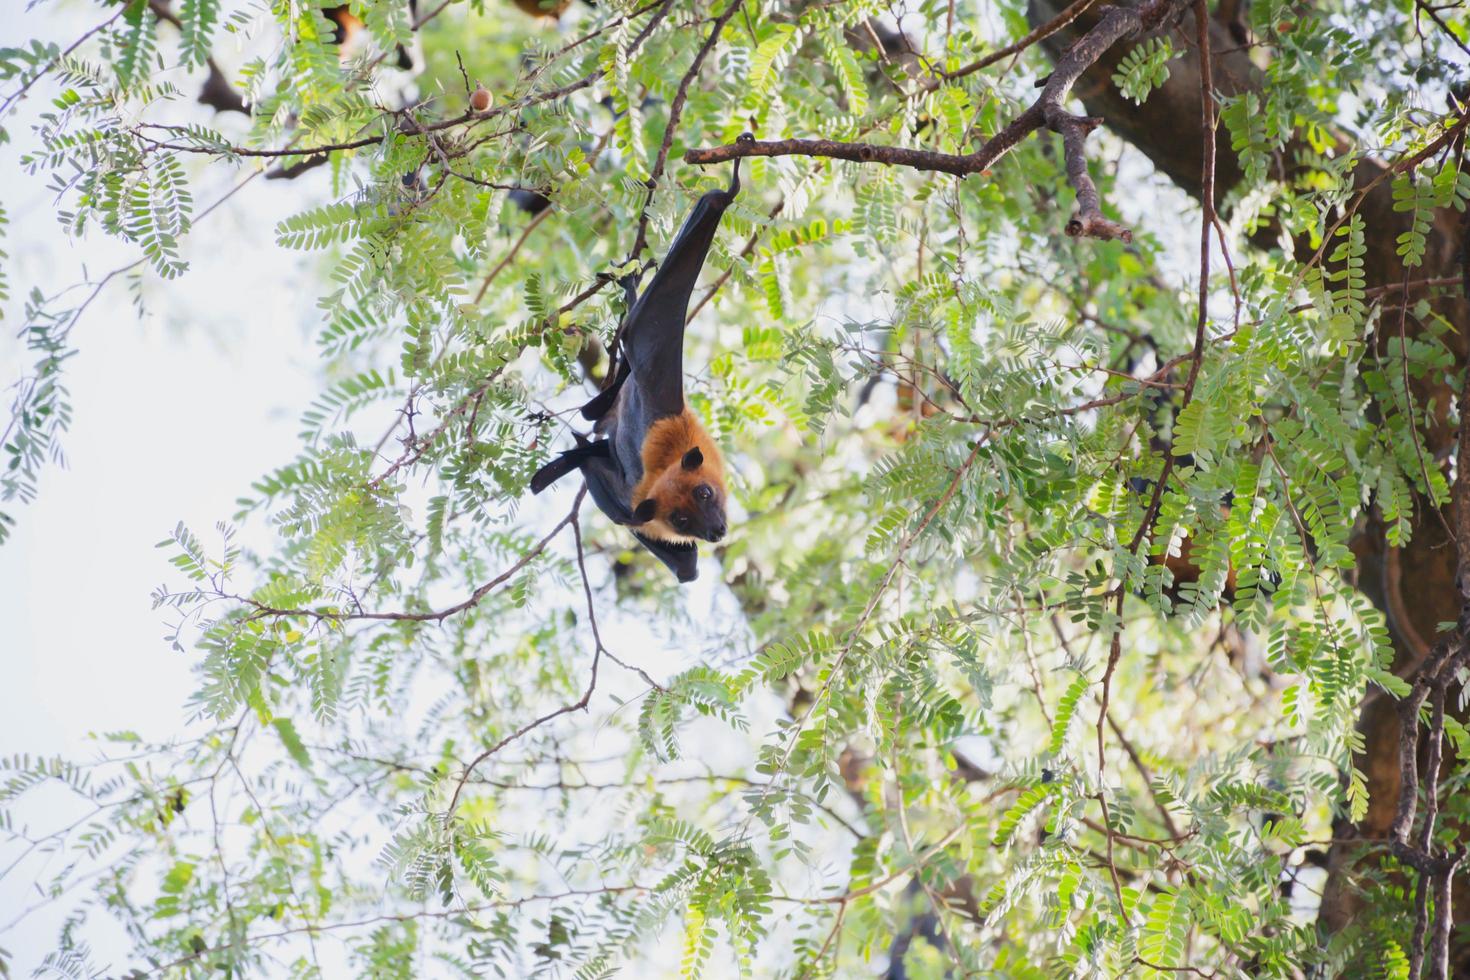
{"points": [[654, 469]]}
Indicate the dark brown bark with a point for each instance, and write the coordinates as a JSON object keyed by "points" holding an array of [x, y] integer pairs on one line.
{"points": [[1416, 586]]}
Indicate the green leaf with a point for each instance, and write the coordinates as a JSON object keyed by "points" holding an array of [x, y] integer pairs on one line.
{"points": [[286, 729]]}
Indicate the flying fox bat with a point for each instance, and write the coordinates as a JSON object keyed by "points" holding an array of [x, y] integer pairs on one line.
{"points": [[653, 468]]}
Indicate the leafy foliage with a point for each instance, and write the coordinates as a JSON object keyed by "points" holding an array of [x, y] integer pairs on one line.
{"points": [[1144, 68], [999, 509]]}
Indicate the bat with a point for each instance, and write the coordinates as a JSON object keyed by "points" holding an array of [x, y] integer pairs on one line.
{"points": [[346, 26], [652, 467]]}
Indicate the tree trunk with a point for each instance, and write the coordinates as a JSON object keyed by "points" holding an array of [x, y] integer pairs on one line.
{"points": [[1415, 586]]}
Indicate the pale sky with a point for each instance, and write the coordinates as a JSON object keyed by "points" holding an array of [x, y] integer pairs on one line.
{"points": [[174, 415]]}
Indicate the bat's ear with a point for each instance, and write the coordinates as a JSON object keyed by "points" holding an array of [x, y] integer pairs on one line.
{"points": [[693, 459], [645, 511]]}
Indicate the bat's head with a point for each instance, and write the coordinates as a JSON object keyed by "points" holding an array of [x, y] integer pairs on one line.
{"points": [[686, 502]]}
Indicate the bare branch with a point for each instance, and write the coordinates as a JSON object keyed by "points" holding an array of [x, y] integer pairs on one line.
{"points": [[566, 709], [1089, 221], [437, 616]]}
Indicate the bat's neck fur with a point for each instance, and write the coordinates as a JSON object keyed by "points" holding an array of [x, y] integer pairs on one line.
{"points": [[664, 476]]}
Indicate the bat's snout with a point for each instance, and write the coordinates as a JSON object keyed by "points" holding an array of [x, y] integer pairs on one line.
{"points": [[717, 533]]}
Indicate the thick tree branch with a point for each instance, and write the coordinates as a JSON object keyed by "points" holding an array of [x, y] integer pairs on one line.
{"points": [[1167, 129], [217, 92], [1432, 682], [1046, 112], [1089, 221]]}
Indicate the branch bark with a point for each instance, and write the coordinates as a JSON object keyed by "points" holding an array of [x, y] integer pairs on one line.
{"points": [[1168, 130], [1046, 112]]}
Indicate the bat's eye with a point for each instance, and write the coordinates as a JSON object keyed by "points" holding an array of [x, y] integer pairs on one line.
{"points": [[703, 492], [681, 521]]}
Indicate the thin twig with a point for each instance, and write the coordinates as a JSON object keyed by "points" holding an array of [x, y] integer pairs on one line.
{"points": [[676, 112], [579, 705], [1196, 358], [1046, 30], [436, 616], [45, 69]]}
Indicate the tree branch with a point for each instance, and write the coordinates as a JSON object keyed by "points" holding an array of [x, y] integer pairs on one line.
{"points": [[566, 709], [676, 111], [1046, 112], [437, 616], [470, 117], [1046, 30]]}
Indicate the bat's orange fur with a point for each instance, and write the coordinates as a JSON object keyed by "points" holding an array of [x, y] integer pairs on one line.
{"points": [[664, 476], [538, 8]]}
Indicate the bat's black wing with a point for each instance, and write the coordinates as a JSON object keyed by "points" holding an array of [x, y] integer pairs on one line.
{"points": [[653, 336], [603, 402], [564, 463], [605, 399], [682, 559]]}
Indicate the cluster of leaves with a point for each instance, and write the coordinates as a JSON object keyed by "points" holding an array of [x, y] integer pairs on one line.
{"points": [[966, 485]]}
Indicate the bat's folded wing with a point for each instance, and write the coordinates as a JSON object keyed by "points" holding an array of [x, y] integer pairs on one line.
{"points": [[564, 463], [611, 491], [682, 559], [653, 337]]}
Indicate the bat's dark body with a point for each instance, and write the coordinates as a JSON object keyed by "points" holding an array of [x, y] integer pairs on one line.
{"points": [[648, 388]]}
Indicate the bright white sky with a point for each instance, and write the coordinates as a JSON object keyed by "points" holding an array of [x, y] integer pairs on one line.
{"points": [[175, 414]]}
